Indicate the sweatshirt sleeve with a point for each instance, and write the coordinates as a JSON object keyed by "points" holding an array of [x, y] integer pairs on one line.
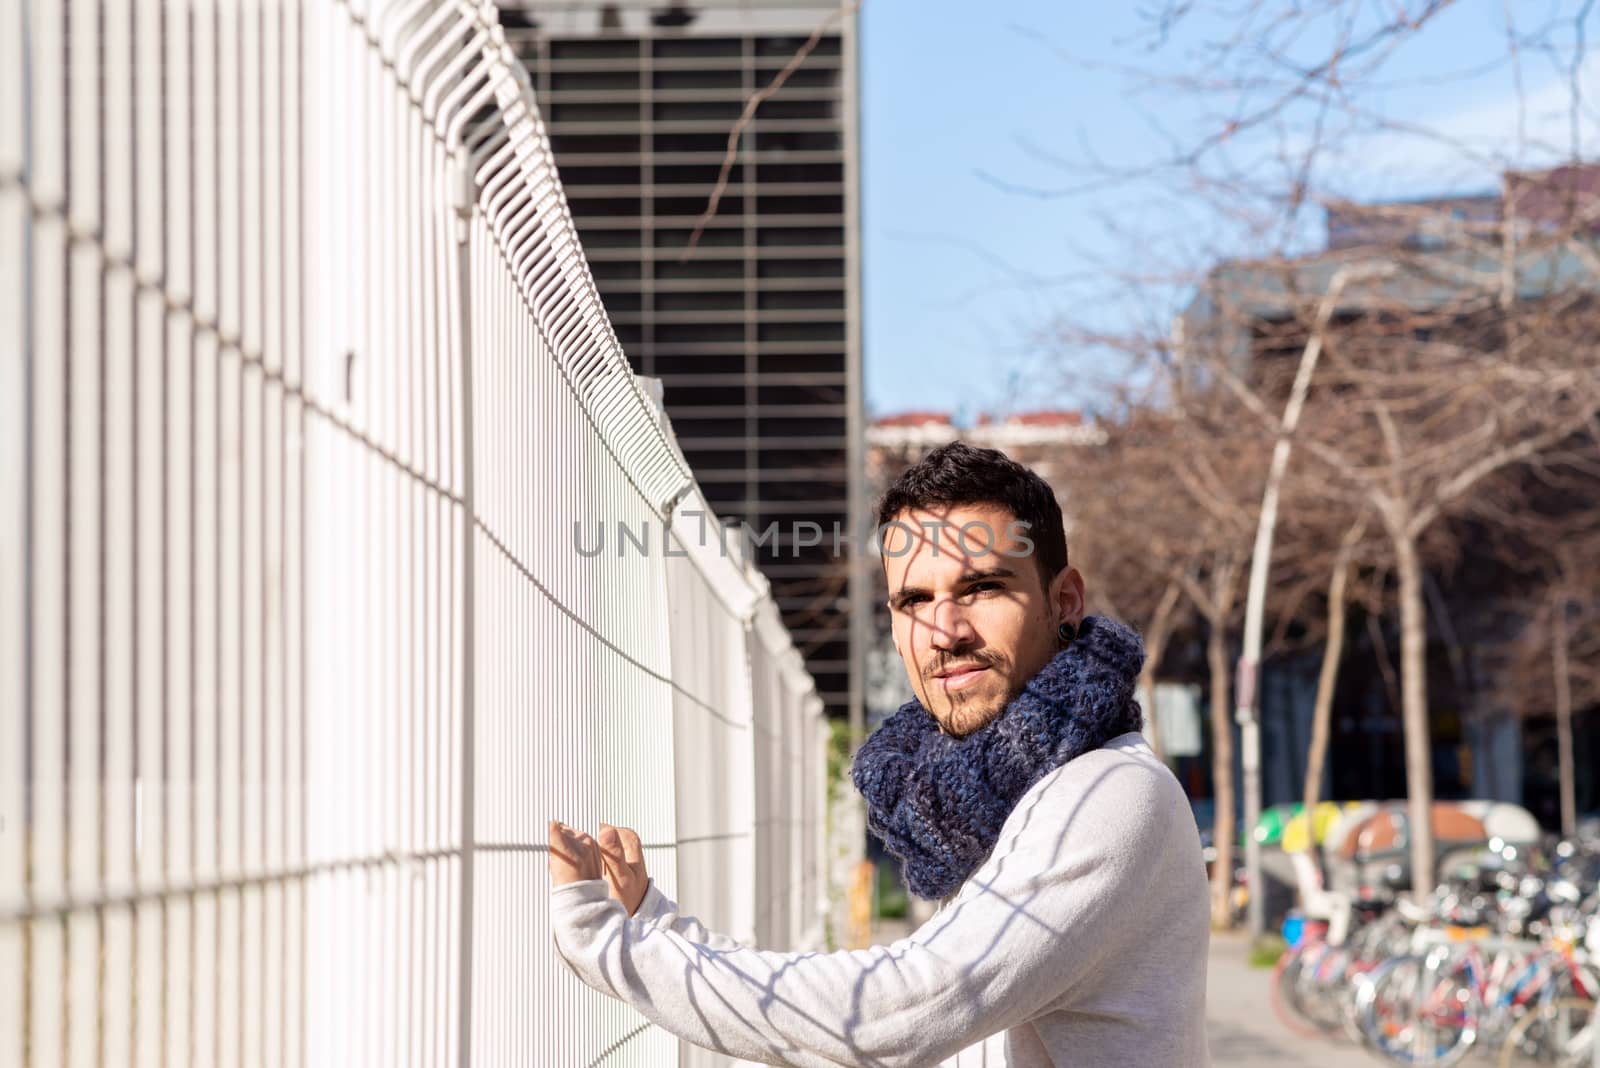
{"points": [[657, 909], [1061, 890]]}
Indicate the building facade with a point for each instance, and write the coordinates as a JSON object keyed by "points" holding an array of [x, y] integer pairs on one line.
{"points": [[749, 316]]}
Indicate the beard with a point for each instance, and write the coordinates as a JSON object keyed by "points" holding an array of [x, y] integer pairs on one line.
{"points": [[963, 711], [962, 720]]}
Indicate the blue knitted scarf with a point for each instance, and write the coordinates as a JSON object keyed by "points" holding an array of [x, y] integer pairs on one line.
{"points": [[938, 802]]}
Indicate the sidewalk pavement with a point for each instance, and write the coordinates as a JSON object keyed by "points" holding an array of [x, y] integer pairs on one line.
{"points": [[1245, 1032]]}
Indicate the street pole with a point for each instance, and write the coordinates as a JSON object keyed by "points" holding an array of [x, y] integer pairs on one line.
{"points": [[1245, 688]]}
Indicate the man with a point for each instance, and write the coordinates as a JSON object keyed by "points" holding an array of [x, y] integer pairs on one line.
{"points": [[1015, 788]]}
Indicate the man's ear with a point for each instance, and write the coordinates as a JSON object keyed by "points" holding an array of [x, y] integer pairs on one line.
{"points": [[1066, 594]]}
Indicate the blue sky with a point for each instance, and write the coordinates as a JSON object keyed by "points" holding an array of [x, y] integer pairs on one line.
{"points": [[976, 117]]}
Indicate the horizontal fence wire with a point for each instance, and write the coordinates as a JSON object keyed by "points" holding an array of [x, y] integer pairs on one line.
{"points": [[306, 392]]}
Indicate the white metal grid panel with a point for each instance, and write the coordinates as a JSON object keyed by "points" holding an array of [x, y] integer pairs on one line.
{"points": [[787, 751], [303, 386], [710, 602], [711, 599]]}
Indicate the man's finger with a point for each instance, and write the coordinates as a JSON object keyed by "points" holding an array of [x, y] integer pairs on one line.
{"points": [[611, 854], [560, 846], [632, 849], [611, 849], [587, 852], [568, 856]]}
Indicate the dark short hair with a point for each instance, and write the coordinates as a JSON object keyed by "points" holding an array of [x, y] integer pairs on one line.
{"points": [[963, 474]]}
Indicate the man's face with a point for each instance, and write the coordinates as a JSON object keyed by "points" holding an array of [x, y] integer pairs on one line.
{"points": [[973, 620]]}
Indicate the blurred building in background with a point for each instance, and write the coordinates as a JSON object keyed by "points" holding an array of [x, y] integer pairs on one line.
{"points": [[1042, 440], [1566, 198], [755, 332]]}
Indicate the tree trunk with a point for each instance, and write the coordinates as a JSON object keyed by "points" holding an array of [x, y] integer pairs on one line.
{"points": [[1155, 642], [1221, 774], [1147, 688], [1558, 644], [1322, 713], [1414, 711]]}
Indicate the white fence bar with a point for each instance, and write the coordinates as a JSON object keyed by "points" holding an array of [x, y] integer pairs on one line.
{"points": [[14, 535], [310, 418]]}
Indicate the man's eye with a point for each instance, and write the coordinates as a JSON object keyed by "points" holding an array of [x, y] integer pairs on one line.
{"points": [[911, 599]]}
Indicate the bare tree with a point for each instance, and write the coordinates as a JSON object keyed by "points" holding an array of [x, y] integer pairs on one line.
{"points": [[1327, 678], [1462, 370], [1156, 633], [1548, 663], [1175, 497]]}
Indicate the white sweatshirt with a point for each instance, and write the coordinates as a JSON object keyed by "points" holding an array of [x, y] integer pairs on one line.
{"points": [[1082, 937]]}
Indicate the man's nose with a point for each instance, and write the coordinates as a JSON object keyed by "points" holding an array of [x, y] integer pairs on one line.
{"points": [[951, 628]]}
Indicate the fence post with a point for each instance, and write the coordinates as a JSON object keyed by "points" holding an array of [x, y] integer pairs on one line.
{"points": [[462, 200]]}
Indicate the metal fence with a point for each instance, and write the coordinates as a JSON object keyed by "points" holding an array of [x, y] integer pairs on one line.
{"points": [[307, 403]]}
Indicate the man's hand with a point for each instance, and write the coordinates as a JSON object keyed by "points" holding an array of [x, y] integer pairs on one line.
{"points": [[617, 857], [574, 856], [624, 863]]}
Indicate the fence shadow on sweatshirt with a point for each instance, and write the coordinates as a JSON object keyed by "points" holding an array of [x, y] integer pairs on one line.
{"points": [[304, 385], [1083, 935]]}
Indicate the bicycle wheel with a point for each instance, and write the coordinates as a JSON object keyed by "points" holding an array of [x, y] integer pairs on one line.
{"points": [[1559, 1033], [1320, 991], [1356, 974], [1286, 981], [1412, 1012]]}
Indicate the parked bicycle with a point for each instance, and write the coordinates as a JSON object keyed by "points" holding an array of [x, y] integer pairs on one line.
{"points": [[1502, 956]]}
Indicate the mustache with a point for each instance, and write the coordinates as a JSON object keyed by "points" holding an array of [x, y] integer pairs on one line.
{"points": [[970, 660]]}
